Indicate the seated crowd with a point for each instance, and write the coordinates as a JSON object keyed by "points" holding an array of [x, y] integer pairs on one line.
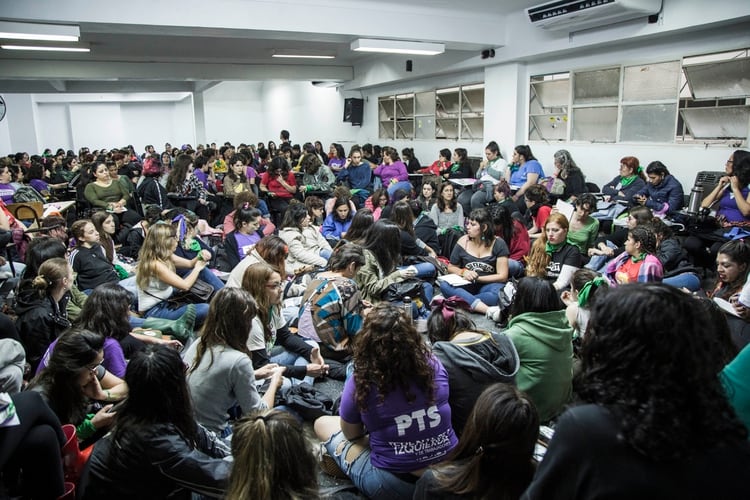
{"points": [[195, 291]]}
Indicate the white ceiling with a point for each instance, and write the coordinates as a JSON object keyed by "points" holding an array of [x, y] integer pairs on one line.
{"points": [[188, 45]]}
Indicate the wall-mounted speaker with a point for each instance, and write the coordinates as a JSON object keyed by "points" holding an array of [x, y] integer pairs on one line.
{"points": [[353, 109], [409, 65]]}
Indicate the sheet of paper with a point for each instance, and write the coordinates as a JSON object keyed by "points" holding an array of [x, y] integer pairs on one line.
{"points": [[726, 306], [454, 279], [565, 208]]}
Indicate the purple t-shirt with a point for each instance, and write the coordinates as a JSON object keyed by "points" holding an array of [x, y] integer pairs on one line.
{"points": [[6, 193], [114, 359], [250, 172], [404, 436], [39, 185], [396, 170], [202, 176], [245, 242]]}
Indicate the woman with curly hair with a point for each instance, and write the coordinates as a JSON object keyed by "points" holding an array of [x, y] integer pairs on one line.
{"points": [[398, 394], [552, 257], [651, 404], [272, 459], [494, 457], [221, 374]]}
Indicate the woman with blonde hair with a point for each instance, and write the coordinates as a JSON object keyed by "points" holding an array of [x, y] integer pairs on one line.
{"points": [[156, 277], [552, 257], [272, 459]]}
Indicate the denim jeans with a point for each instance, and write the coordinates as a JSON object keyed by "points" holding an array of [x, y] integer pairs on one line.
{"points": [[487, 293], [161, 310], [373, 482], [405, 185], [516, 269], [289, 358], [326, 254], [691, 281], [424, 269]]}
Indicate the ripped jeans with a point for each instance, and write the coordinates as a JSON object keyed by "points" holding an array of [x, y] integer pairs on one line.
{"points": [[373, 482]]}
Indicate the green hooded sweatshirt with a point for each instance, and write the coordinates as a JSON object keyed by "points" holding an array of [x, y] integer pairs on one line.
{"points": [[544, 345]]}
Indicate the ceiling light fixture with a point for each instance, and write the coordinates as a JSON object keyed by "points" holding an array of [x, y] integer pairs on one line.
{"points": [[397, 47], [303, 56], [45, 48], [35, 31]]}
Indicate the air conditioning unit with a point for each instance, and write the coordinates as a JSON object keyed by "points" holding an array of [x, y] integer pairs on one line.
{"points": [[576, 15]]}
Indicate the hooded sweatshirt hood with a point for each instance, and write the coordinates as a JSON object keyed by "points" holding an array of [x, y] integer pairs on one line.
{"points": [[550, 328], [500, 365]]}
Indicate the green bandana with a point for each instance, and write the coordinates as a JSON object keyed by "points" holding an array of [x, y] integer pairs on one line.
{"points": [[550, 248], [192, 244], [639, 258], [626, 181], [585, 291]]}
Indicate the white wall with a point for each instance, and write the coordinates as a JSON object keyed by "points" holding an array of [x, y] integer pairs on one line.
{"points": [[233, 112]]}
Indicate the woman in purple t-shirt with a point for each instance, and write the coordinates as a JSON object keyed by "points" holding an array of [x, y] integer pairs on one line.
{"points": [[394, 415]]}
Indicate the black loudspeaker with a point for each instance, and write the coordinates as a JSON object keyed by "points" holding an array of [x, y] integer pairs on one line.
{"points": [[409, 65], [353, 109]]}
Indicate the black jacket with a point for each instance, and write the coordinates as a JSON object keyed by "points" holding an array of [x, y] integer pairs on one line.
{"points": [[40, 321], [153, 193], [157, 463]]}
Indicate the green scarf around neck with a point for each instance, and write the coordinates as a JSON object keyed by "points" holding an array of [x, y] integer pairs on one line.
{"points": [[626, 181], [550, 248]]}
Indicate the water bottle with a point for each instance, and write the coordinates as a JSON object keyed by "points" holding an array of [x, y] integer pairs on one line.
{"points": [[407, 308], [696, 197]]}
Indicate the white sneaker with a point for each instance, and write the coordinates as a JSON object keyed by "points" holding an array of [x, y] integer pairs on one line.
{"points": [[493, 313]]}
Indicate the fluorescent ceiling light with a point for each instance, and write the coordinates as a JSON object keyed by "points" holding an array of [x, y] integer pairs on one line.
{"points": [[43, 48], [34, 31], [303, 56], [397, 47]]}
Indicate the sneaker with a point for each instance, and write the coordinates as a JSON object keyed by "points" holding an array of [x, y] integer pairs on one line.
{"points": [[493, 313]]}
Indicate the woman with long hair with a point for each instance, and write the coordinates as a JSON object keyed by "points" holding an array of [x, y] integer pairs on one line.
{"points": [[650, 402], [271, 250], [382, 249], [272, 459], [221, 373], [732, 268], [105, 194], [377, 202], [41, 308], [474, 358], [489, 173], [540, 332], [411, 246], [307, 246], [571, 174], [280, 186], [393, 173], [480, 258], [427, 195], [89, 258], [74, 383], [301, 359], [338, 221], [448, 215], [514, 235], [493, 459], [460, 167], [440, 165], [236, 181], [551, 256], [609, 246], [361, 223], [663, 193], [184, 183], [156, 439], [412, 163], [583, 228], [398, 394], [336, 157], [318, 178], [157, 280], [638, 263], [538, 209]]}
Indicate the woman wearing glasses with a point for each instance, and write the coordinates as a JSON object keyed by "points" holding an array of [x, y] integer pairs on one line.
{"points": [[75, 385]]}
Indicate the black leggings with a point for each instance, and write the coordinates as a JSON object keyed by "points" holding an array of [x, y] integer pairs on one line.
{"points": [[34, 446]]}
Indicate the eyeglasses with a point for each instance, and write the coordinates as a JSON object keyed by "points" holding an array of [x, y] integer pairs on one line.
{"points": [[273, 286], [729, 162]]}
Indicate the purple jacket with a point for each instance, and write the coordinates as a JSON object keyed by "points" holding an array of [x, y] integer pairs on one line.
{"points": [[396, 170]]}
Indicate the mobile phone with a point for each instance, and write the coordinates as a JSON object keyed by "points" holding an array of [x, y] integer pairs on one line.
{"points": [[116, 406]]}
